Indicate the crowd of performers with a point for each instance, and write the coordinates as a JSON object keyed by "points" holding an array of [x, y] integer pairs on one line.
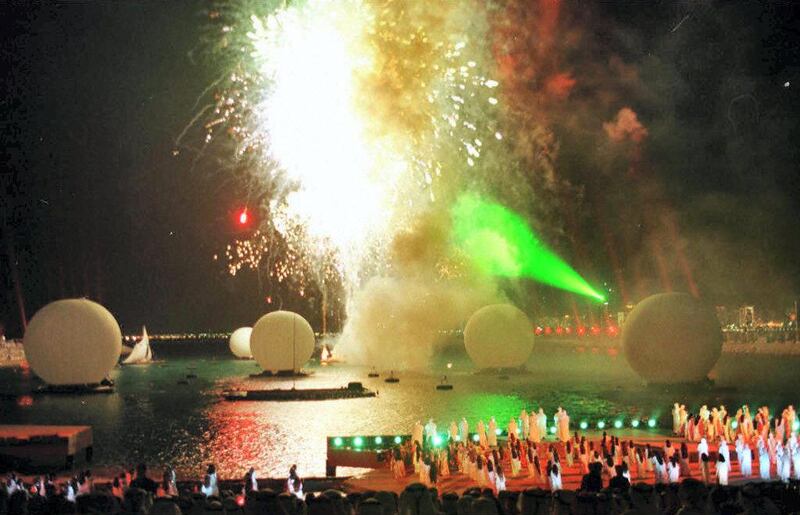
{"points": [[525, 453]]}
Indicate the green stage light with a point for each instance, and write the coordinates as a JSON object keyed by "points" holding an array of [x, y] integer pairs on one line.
{"points": [[500, 243], [458, 438], [618, 424], [397, 439], [338, 441], [437, 440], [378, 440], [498, 431], [651, 423], [476, 438], [358, 441], [601, 424], [734, 424], [635, 423], [553, 430], [796, 426], [584, 425]]}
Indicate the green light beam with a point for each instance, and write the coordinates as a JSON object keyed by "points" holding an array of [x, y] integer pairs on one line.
{"points": [[500, 243]]}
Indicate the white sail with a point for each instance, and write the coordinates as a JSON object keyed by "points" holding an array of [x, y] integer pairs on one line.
{"points": [[141, 352]]}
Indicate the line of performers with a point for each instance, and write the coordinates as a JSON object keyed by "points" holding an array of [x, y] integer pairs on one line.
{"points": [[718, 423]]}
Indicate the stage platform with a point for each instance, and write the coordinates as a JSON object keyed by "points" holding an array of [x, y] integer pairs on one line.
{"points": [[382, 479], [29, 446]]}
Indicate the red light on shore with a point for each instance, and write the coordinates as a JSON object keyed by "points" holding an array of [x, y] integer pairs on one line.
{"points": [[595, 330], [538, 331], [581, 331], [559, 330], [612, 330], [243, 217], [548, 330]]}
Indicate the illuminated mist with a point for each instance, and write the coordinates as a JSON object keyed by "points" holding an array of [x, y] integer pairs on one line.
{"points": [[500, 243]]}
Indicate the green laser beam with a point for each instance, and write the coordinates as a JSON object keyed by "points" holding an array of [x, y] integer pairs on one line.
{"points": [[500, 243]]}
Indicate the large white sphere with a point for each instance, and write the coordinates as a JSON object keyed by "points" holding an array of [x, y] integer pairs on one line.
{"points": [[240, 342], [672, 338], [72, 342], [282, 340], [499, 336]]}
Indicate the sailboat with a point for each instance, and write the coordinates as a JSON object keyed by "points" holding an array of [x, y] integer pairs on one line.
{"points": [[141, 353]]}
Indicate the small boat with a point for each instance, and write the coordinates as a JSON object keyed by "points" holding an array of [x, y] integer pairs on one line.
{"points": [[392, 378], [444, 385], [141, 353], [373, 373]]}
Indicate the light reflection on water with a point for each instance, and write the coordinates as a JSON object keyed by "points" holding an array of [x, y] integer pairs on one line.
{"points": [[153, 418]]}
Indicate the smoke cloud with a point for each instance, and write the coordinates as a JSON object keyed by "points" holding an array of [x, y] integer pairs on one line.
{"points": [[397, 319]]}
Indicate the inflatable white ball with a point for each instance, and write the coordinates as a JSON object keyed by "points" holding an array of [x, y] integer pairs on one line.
{"points": [[240, 343], [672, 338], [72, 342], [282, 341], [499, 336]]}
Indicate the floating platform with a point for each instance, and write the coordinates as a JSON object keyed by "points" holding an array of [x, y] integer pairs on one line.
{"points": [[280, 373], [74, 389], [351, 391], [31, 447]]}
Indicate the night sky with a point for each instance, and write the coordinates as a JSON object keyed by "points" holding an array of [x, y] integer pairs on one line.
{"points": [[96, 203]]}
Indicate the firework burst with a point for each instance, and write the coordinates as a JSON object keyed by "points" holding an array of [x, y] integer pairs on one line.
{"points": [[365, 111]]}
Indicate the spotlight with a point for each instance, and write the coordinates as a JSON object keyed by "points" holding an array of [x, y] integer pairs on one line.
{"points": [[553, 430], [398, 439], [584, 425], [498, 431], [635, 423], [338, 441], [476, 438], [734, 424], [437, 440], [796, 425], [358, 441], [618, 424], [458, 438], [601, 425], [378, 440], [651, 423]]}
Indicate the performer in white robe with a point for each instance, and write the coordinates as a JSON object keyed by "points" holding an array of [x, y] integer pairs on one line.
{"points": [[512, 427], [723, 466], [555, 477], [430, 431], [783, 463], [763, 460], [743, 454], [702, 447], [676, 419], [563, 426], [724, 450], [463, 430], [453, 431], [794, 449], [673, 470], [684, 416], [491, 435], [416, 433], [533, 428], [526, 424], [541, 420], [499, 480], [482, 438]]}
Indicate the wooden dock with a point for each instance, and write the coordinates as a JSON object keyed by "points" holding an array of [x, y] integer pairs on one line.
{"points": [[30, 446]]}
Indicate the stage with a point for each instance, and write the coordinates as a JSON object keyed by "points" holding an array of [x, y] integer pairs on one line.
{"points": [[382, 478]]}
